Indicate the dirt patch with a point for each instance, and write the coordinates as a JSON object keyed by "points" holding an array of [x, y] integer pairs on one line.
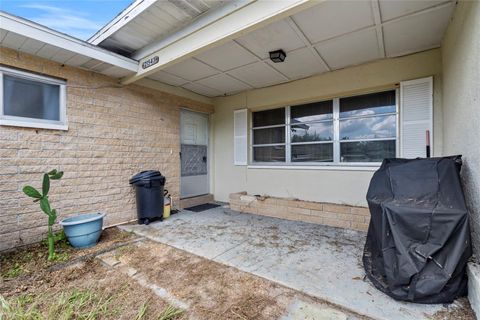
{"points": [[33, 258], [460, 310], [213, 290]]}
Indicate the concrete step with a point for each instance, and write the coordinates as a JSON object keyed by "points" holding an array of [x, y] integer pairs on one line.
{"points": [[195, 201]]}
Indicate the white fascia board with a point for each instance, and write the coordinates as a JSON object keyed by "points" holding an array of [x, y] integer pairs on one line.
{"points": [[40, 33], [121, 20], [202, 21], [246, 19]]}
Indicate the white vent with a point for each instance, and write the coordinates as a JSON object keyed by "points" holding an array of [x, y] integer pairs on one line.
{"points": [[240, 129], [416, 117]]}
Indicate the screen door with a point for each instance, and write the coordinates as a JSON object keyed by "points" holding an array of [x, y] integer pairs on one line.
{"points": [[193, 154]]}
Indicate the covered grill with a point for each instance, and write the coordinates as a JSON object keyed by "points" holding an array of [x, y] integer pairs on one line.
{"points": [[418, 241]]}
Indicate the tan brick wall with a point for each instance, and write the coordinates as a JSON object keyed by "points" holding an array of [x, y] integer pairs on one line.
{"points": [[113, 133], [330, 214]]}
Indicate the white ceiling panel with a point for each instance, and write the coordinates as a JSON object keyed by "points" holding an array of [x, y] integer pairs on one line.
{"points": [[101, 67], [334, 18], [168, 78], [116, 72], [77, 60], [393, 9], [201, 89], [278, 35], [62, 56], [47, 51], [257, 75], [351, 49], [299, 64], [191, 70], [416, 32], [31, 46], [91, 64], [224, 83], [13, 40], [3, 34], [227, 56]]}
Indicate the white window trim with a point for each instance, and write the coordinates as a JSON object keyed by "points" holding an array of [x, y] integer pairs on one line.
{"points": [[15, 121], [336, 164]]}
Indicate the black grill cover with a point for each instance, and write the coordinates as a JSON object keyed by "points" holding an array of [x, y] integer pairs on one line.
{"points": [[418, 240]]}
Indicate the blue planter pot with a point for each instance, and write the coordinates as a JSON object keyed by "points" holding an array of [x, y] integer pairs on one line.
{"points": [[83, 231]]}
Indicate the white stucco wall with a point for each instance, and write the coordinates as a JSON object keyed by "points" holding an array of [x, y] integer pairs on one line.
{"points": [[338, 186], [461, 87]]}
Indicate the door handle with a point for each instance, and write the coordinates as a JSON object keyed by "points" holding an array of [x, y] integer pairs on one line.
{"points": [[204, 159]]}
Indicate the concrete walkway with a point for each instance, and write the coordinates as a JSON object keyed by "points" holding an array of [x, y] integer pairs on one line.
{"points": [[320, 261]]}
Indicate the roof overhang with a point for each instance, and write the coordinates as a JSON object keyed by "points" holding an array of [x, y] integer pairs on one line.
{"points": [[227, 25], [29, 37], [127, 15]]}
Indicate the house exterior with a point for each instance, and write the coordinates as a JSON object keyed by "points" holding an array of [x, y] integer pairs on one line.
{"points": [[190, 90]]}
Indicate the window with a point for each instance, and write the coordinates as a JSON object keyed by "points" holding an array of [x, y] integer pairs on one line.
{"points": [[368, 127], [359, 129], [269, 131], [30, 100]]}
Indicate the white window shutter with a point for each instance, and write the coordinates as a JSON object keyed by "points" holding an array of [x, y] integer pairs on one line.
{"points": [[416, 117], [240, 129]]}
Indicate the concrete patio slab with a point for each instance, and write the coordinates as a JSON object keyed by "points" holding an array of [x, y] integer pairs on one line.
{"points": [[320, 261]]}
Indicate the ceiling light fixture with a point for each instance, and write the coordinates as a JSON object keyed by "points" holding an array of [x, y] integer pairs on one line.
{"points": [[277, 56]]}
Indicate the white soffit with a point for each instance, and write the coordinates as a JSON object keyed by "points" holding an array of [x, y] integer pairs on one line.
{"points": [[145, 21], [28, 37], [326, 37]]}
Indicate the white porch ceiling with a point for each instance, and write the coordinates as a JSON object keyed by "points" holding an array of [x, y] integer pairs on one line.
{"points": [[329, 36]]}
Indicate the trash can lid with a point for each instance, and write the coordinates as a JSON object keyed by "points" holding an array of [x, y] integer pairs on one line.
{"points": [[146, 176]]}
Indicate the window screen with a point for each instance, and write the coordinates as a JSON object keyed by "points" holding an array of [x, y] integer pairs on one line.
{"points": [[30, 99]]}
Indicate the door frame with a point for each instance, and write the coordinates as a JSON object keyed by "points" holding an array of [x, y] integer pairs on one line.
{"points": [[207, 115]]}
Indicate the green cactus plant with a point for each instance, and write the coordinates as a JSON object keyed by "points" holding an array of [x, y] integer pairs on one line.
{"points": [[45, 205]]}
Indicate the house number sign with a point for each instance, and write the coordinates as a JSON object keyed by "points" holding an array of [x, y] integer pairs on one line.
{"points": [[150, 62]]}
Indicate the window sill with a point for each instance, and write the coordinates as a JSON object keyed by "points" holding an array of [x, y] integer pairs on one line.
{"points": [[350, 167], [36, 125]]}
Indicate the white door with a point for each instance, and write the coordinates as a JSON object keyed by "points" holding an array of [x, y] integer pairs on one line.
{"points": [[193, 154]]}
